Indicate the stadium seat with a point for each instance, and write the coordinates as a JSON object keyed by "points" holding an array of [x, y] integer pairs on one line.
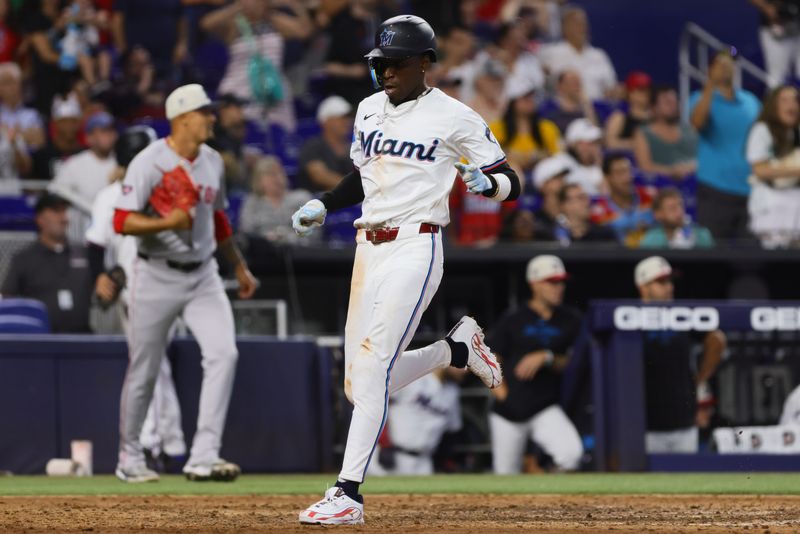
{"points": [[21, 324], [16, 213], [32, 310], [339, 225]]}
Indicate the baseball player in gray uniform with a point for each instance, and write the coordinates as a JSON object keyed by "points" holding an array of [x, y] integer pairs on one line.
{"points": [[173, 200], [407, 140]]}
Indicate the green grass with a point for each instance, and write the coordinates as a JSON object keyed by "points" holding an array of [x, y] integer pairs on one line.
{"points": [[588, 483]]}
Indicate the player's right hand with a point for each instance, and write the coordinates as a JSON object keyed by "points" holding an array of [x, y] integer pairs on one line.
{"points": [[308, 217]]}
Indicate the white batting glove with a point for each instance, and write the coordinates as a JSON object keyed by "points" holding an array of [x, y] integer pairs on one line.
{"points": [[473, 177], [308, 217]]}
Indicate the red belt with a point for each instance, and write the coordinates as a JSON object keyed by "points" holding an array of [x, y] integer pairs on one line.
{"points": [[383, 235]]}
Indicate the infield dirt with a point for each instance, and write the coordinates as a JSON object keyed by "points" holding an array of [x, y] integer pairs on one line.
{"points": [[409, 513]]}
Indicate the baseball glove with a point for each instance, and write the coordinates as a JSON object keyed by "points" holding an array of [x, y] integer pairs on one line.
{"points": [[175, 191], [120, 280]]}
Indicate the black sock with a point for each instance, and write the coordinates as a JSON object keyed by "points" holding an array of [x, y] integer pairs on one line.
{"points": [[458, 353], [350, 489]]}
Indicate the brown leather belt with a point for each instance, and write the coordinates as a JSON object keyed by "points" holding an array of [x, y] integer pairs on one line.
{"points": [[384, 235]]}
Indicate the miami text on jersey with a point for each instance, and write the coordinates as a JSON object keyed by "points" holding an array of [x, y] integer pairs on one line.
{"points": [[375, 144]]}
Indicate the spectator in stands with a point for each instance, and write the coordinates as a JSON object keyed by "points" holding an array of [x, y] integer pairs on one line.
{"points": [[349, 27], [671, 385], [570, 103], [534, 343], [64, 143], [136, 92], [476, 220], [45, 29], [779, 25], [524, 69], [9, 37], [455, 62], [83, 175], [723, 116], [13, 113], [627, 207], [575, 53], [255, 32], [267, 211], [14, 160], [325, 159], [549, 177], [525, 137], [574, 224], [489, 99], [773, 150], [666, 146], [519, 226], [623, 124], [673, 229], [52, 271], [159, 26], [80, 45], [585, 156], [230, 131]]}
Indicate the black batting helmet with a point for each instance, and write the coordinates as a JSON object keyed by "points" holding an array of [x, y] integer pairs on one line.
{"points": [[133, 141], [404, 36]]}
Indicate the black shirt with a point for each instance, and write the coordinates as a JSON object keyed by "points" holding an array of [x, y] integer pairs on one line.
{"points": [[522, 331], [60, 280], [596, 233], [670, 392], [316, 149]]}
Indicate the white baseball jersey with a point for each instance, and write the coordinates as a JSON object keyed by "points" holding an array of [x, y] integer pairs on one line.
{"points": [[146, 171], [791, 408], [406, 155], [422, 412]]}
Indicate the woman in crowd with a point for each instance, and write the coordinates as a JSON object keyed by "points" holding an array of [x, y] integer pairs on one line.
{"points": [[772, 151], [256, 35], [267, 211], [621, 125]]}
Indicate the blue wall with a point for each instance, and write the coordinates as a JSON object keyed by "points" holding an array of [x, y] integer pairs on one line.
{"points": [[644, 34]]}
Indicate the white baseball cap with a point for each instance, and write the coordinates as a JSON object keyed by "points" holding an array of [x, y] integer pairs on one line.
{"points": [[651, 269], [550, 168], [582, 130], [518, 86], [333, 106], [546, 268], [186, 98], [65, 108]]}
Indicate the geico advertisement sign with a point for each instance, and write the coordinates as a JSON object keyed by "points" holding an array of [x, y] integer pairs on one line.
{"points": [[765, 319], [677, 318]]}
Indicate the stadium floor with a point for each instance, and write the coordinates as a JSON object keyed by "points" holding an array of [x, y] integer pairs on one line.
{"points": [[552, 503]]}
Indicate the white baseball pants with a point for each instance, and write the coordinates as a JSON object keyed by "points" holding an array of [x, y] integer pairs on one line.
{"points": [[551, 429], [779, 55], [158, 295], [162, 430], [391, 287]]}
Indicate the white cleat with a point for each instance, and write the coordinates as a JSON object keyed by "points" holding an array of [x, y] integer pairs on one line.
{"points": [[481, 361], [136, 474], [219, 471], [335, 509]]}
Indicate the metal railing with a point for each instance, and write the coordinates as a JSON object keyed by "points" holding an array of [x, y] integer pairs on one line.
{"points": [[694, 67]]}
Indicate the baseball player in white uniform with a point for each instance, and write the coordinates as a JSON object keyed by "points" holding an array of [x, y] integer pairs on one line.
{"points": [[407, 140], [162, 432], [175, 275]]}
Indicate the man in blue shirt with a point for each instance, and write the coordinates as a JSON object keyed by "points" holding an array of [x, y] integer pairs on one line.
{"points": [[723, 116]]}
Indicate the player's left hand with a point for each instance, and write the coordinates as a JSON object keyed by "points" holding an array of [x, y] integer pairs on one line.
{"points": [[473, 177], [247, 282], [530, 364], [308, 217]]}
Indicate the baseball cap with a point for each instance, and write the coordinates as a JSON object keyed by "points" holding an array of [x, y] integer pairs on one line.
{"points": [[518, 86], [100, 119], [333, 106], [546, 268], [638, 80], [65, 108], [186, 98], [49, 200], [651, 269], [582, 130], [549, 168]]}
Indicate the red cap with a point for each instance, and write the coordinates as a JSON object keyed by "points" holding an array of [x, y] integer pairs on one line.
{"points": [[638, 80]]}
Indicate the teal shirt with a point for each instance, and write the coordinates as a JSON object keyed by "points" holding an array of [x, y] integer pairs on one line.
{"points": [[693, 236], [721, 162]]}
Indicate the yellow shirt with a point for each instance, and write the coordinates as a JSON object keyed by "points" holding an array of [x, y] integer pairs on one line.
{"points": [[551, 138]]}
